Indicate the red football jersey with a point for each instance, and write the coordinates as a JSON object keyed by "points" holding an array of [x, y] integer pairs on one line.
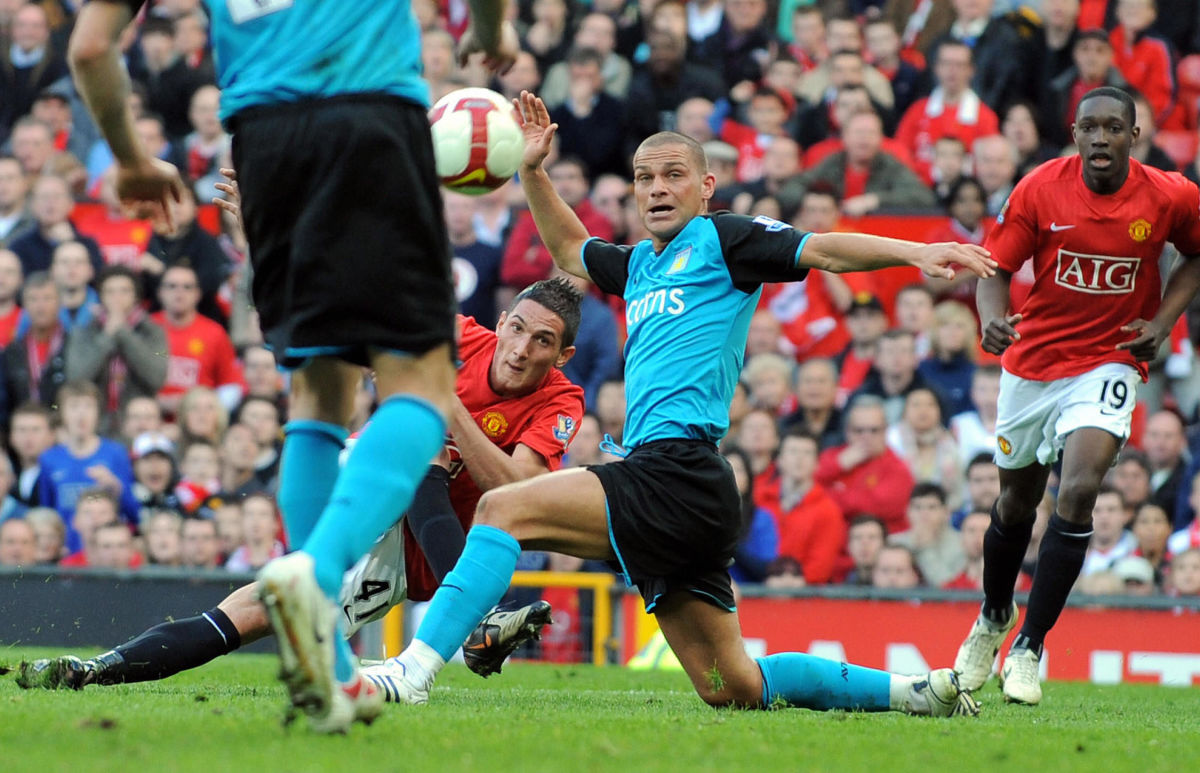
{"points": [[1095, 262], [544, 420], [199, 354]]}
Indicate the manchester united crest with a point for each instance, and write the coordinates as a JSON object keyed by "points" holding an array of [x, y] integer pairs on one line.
{"points": [[493, 424], [1005, 446], [1139, 230]]}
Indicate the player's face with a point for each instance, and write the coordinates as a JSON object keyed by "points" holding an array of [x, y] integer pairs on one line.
{"points": [[669, 190], [529, 343], [1103, 135]]}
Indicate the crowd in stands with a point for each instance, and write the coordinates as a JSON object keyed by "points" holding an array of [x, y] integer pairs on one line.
{"points": [[143, 416]]}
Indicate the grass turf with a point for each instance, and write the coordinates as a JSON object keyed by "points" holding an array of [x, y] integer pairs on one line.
{"points": [[226, 717]]}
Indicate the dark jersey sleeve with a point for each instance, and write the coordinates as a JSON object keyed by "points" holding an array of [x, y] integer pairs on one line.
{"points": [[133, 5], [607, 264], [759, 249]]}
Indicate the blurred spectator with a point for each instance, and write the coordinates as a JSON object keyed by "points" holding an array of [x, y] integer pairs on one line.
{"points": [[199, 475], [864, 177], [15, 218], [96, 507], [227, 515], [1131, 476], [201, 417], [982, 487], [163, 533], [806, 37], [1060, 26], [883, 52], [864, 541], [609, 193], [1006, 65], [262, 417], [1143, 58], [780, 162], [591, 123], [493, 219], [52, 106], [32, 143], [84, 460], [770, 378], [1152, 528], [765, 335], [974, 525], [1165, 443], [810, 525], [154, 473], [28, 64], [661, 85], [743, 44], [1136, 575], [51, 534], [438, 62], [816, 398], [844, 65], [766, 115], [951, 364], [894, 372], [966, 208], [693, 118], [937, 547], [914, 313], [191, 41], [199, 352], [30, 435], [121, 349], [597, 355], [51, 204], [865, 477], [198, 544], [239, 457], [190, 245], [596, 31], [152, 131], [72, 270], [739, 407], [610, 408], [585, 446], [18, 543], [476, 266], [927, 447], [952, 110], [896, 568], [140, 415], [1144, 148], [758, 543], [1020, 126], [1092, 57], [524, 75], [819, 127], [975, 430], [758, 437], [996, 161], [260, 526], [169, 81], [207, 142], [261, 375], [526, 259], [1110, 541], [1185, 573], [866, 323], [949, 168], [10, 288], [113, 548], [546, 38]]}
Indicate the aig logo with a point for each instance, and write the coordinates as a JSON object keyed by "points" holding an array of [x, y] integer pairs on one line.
{"points": [[1096, 274]]}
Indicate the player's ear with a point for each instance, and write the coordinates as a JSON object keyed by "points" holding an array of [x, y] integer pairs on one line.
{"points": [[564, 356], [1136, 132], [500, 322], [708, 186]]}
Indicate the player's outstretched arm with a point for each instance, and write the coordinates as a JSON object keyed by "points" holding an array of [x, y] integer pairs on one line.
{"points": [[560, 228], [842, 252], [1182, 286], [144, 183]]}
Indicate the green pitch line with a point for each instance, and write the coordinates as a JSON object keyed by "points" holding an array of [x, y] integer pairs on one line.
{"points": [[226, 717]]}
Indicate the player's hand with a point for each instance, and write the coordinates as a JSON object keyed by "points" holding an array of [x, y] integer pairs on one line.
{"points": [[534, 120], [938, 260], [999, 333], [147, 188], [498, 55], [232, 201], [1150, 336]]}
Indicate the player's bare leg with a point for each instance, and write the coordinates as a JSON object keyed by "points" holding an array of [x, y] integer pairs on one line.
{"points": [[1004, 547], [1088, 454], [708, 642]]}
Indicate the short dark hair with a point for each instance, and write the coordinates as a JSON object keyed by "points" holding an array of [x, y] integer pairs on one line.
{"points": [[1112, 92], [963, 182], [820, 188], [927, 489], [33, 408], [769, 93], [158, 25], [110, 272], [981, 458], [675, 138], [79, 389], [953, 42], [918, 287], [860, 520], [1107, 489], [799, 431], [585, 55], [1138, 457], [559, 297]]}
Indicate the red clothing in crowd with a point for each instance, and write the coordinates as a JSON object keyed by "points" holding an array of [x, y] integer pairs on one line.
{"points": [[1089, 251], [122, 242], [963, 582], [751, 147], [526, 259], [879, 487], [1145, 61], [813, 531], [808, 316], [930, 119], [199, 354], [8, 325], [818, 152]]}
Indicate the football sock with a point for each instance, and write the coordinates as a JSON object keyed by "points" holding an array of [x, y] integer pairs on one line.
{"points": [[1004, 547], [810, 682], [375, 486], [1059, 560], [344, 661], [169, 648], [433, 522], [477, 583], [308, 469]]}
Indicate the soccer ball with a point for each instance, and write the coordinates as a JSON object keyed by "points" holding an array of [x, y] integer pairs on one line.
{"points": [[477, 143]]}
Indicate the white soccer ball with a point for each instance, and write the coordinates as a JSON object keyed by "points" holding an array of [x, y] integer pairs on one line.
{"points": [[477, 143]]}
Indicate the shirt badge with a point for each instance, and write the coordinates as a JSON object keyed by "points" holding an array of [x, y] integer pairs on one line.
{"points": [[564, 428], [680, 262], [493, 424], [1139, 230]]}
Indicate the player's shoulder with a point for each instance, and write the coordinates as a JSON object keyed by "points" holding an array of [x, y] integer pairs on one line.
{"points": [[1170, 184], [558, 388]]}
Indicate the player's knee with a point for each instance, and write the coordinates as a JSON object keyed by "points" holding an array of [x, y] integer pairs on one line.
{"points": [[495, 509]]}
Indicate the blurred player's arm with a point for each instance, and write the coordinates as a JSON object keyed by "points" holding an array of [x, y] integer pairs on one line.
{"points": [[488, 464], [1182, 286], [844, 252], [561, 229]]}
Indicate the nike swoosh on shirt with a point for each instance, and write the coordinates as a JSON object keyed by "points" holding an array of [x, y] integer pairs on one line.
{"points": [[1056, 227]]}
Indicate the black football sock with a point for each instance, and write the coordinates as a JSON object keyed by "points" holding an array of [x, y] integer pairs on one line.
{"points": [[169, 648], [1059, 561], [433, 522], [1004, 547]]}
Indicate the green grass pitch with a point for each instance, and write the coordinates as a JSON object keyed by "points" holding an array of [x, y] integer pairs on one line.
{"points": [[227, 717]]}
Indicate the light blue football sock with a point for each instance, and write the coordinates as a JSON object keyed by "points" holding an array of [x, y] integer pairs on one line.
{"points": [[807, 681], [308, 468], [375, 486], [477, 582], [344, 660]]}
